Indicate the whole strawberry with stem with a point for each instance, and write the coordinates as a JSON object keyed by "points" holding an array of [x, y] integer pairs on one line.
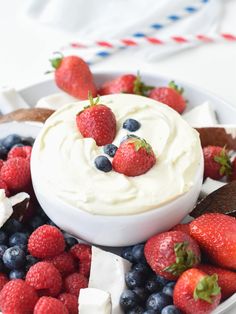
{"points": [[171, 96], [196, 292], [216, 236], [171, 253], [73, 76], [134, 157], [127, 83], [216, 162], [97, 121], [226, 279]]}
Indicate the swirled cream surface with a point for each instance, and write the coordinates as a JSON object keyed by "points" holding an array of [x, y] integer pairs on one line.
{"points": [[63, 161]]}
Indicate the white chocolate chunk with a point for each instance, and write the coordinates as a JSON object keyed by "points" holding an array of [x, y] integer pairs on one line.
{"points": [[10, 100], [201, 116], [210, 186], [55, 101], [5, 207], [94, 301], [108, 273]]}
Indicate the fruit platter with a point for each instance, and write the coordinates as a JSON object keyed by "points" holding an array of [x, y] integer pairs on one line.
{"points": [[117, 195]]}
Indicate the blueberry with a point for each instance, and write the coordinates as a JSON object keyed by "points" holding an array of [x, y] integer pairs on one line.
{"points": [[30, 261], [110, 149], [131, 125], [3, 237], [14, 258], [18, 145], [152, 285], [163, 281], [17, 274], [171, 284], [18, 238], [128, 300], [142, 268], [12, 226], [168, 290], [28, 141], [142, 294], [134, 279], [171, 309], [136, 310], [70, 241], [103, 163], [36, 222], [3, 152], [157, 301], [138, 253], [127, 253], [2, 267], [11, 140], [3, 248]]}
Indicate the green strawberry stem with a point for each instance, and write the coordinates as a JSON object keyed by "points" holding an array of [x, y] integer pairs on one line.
{"points": [[56, 61], [225, 163], [207, 289], [91, 100], [174, 86], [185, 259], [140, 143], [140, 88]]}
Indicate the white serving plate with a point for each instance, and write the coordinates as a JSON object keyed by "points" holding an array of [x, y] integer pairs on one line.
{"points": [[226, 114]]}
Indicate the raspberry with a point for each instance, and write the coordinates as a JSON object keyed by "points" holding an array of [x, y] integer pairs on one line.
{"points": [[64, 262], [1, 163], [70, 301], [18, 297], [24, 152], [3, 280], [74, 282], [48, 305], [45, 278], [16, 173], [4, 187], [83, 253], [84, 268], [46, 241]]}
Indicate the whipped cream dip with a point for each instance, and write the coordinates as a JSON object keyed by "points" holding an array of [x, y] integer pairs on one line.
{"points": [[63, 161]]}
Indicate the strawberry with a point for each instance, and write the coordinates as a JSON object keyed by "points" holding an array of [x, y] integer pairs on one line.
{"points": [[216, 235], [196, 293], [170, 96], [171, 253], [97, 121], [181, 227], [128, 83], [216, 162], [226, 279], [73, 76], [134, 157]]}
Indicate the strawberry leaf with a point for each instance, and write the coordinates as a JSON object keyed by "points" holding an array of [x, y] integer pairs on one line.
{"points": [[140, 88], [207, 289], [185, 259], [56, 61], [225, 163], [174, 86], [140, 143]]}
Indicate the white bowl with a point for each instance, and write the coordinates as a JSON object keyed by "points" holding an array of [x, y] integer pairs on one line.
{"points": [[120, 230]]}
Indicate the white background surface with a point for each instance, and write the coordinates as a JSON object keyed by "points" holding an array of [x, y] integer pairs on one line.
{"points": [[26, 47]]}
